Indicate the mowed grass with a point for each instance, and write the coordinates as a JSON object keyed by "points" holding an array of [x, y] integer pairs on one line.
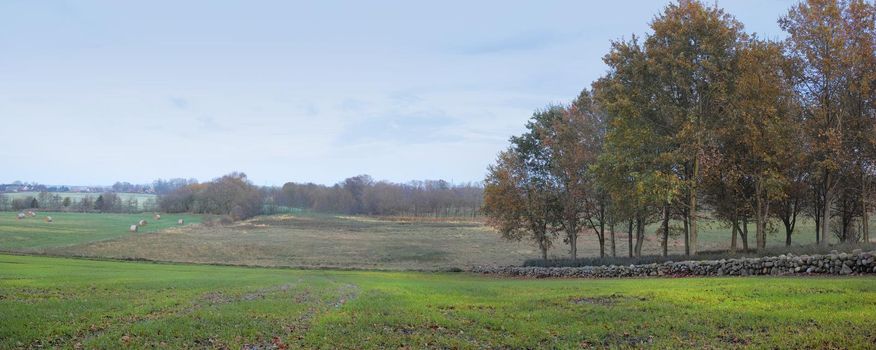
{"points": [[70, 303], [34, 234]]}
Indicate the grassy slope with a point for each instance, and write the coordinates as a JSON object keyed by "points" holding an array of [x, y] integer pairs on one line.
{"points": [[36, 235], [61, 302]]}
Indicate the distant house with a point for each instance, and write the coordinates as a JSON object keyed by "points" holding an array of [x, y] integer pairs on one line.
{"points": [[10, 188]]}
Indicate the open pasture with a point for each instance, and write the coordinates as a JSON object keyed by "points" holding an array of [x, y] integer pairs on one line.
{"points": [[307, 240], [72, 303], [34, 234]]}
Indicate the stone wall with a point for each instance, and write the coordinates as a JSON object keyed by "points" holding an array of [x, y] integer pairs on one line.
{"points": [[835, 263]]}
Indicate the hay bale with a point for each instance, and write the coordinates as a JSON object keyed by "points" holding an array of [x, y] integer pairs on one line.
{"points": [[20, 216], [142, 223], [49, 219], [157, 217], [133, 228], [31, 213], [180, 221]]}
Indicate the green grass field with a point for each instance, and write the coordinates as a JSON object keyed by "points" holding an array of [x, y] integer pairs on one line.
{"points": [[68, 303], [71, 229]]}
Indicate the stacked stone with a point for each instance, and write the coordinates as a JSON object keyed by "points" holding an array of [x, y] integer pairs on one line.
{"points": [[835, 263]]}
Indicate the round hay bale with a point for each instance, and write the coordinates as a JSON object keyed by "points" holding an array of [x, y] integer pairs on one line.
{"points": [[20, 216], [142, 223], [180, 221], [133, 228], [157, 217], [49, 219], [31, 213]]}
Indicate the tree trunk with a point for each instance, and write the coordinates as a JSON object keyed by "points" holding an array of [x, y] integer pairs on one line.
{"points": [[630, 238], [745, 234], [865, 225], [573, 245], [789, 218], [601, 239], [865, 216], [759, 219], [825, 219], [640, 235], [613, 248], [543, 248], [735, 229], [686, 233], [666, 230], [693, 204], [817, 225]]}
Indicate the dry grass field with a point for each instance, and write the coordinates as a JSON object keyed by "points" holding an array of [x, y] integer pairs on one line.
{"points": [[320, 241], [329, 241]]}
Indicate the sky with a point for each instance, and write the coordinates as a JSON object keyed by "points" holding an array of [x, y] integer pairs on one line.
{"points": [[94, 92]]}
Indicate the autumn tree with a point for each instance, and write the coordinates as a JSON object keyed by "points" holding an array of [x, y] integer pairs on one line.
{"points": [[516, 200], [833, 41], [571, 138], [859, 100], [667, 96], [692, 56], [631, 168], [232, 195], [756, 133]]}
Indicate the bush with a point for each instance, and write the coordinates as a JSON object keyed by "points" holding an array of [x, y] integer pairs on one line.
{"points": [[217, 220]]}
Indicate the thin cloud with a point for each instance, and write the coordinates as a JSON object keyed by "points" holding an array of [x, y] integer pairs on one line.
{"points": [[179, 102], [529, 41], [401, 129]]}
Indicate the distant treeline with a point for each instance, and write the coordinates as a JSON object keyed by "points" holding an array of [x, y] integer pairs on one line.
{"points": [[108, 202], [235, 196], [362, 195]]}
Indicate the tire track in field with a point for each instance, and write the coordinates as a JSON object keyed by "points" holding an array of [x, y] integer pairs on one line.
{"points": [[296, 332]]}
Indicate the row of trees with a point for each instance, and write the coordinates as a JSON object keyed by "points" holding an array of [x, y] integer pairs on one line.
{"points": [[699, 114], [235, 196], [232, 195], [108, 202], [362, 195]]}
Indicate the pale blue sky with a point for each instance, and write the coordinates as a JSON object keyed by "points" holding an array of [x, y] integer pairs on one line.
{"points": [[93, 92]]}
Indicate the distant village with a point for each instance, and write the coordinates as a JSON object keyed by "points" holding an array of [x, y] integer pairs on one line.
{"points": [[119, 187]]}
